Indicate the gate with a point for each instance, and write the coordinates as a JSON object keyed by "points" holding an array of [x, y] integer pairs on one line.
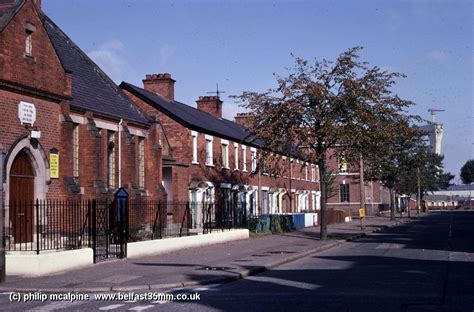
{"points": [[108, 220]]}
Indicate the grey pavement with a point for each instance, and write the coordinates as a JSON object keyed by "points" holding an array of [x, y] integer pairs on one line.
{"points": [[199, 266]]}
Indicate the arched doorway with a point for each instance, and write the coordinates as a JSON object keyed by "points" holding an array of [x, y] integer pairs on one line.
{"points": [[21, 193]]}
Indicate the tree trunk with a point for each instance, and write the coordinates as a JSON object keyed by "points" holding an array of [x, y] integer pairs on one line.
{"points": [[392, 203], [323, 183], [362, 185], [418, 194], [398, 203], [408, 201]]}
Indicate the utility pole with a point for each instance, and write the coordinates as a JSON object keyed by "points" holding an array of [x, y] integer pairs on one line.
{"points": [[2, 222], [362, 193], [470, 197], [418, 196]]}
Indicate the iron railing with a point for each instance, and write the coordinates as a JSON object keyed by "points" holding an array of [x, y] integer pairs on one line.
{"points": [[46, 225], [150, 219], [71, 224]]}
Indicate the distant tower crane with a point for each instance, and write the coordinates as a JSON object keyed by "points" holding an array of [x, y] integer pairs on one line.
{"points": [[433, 112]]}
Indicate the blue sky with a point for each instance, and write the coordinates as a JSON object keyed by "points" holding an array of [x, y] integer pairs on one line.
{"points": [[240, 44]]}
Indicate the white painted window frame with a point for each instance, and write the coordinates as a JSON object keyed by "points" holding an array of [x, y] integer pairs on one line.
{"points": [[253, 159], [244, 158], [209, 152], [194, 137], [225, 153], [236, 156]]}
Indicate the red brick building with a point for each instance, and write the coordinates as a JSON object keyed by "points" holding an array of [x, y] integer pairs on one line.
{"points": [[55, 101], [346, 192], [207, 158]]}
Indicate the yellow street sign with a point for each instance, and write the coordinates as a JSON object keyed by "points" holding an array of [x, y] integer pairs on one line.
{"points": [[54, 165], [362, 212]]}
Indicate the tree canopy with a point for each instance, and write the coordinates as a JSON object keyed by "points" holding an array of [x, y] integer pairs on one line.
{"points": [[343, 108], [467, 172]]}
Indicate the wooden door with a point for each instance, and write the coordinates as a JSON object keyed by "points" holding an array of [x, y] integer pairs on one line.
{"points": [[22, 198]]}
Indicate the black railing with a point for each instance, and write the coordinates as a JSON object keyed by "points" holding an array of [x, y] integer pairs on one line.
{"points": [[71, 224], [46, 225], [150, 219]]}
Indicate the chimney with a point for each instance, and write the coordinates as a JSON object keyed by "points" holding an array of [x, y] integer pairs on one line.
{"points": [[162, 84], [211, 105], [244, 119]]}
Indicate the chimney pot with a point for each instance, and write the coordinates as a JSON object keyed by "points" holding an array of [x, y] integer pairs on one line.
{"points": [[244, 119], [211, 105], [162, 84]]}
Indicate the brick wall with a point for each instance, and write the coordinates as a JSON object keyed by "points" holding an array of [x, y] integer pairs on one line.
{"points": [[41, 80], [43, 69], [180, 141]]}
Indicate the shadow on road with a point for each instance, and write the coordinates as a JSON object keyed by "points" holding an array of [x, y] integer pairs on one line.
{"points": [[418, 266]]}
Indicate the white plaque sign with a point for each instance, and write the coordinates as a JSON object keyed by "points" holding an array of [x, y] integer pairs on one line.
{"points": [[27, 113]]}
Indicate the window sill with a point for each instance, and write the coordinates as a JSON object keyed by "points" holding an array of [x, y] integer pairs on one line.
{"points": [[210, 165], [29, 57], [195, 163]]}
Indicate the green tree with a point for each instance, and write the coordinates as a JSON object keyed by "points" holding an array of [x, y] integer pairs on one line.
{"points": [[388, 160], [467, 172], [421, 171], [342, 108]]}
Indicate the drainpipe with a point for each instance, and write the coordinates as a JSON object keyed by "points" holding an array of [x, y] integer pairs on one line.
{"points": [[2, 248], [120, 152]]}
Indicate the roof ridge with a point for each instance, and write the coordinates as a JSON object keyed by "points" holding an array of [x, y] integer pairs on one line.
{"points": [[87, 59], [189, 106], [224, 123]]}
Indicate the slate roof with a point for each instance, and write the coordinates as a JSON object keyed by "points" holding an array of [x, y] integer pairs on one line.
{"points": [[467, 187], [92, 89], [191, 117], [195, 119], [8, 9]]}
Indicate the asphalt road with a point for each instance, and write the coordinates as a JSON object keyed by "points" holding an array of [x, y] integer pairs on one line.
{"points": [[425, 265]]}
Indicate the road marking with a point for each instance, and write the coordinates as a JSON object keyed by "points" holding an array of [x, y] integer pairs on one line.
{"points": [[284, 282], [389, 246], [57, 306], [141, 308], [204, 288], [111, 307]]}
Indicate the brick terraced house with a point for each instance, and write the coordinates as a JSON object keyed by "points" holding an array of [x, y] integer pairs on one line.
{"points": [[208, 159], [67, 130]]}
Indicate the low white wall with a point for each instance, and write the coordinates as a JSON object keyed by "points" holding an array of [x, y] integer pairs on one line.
{"points": [[47, 262], [159, 246]]}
